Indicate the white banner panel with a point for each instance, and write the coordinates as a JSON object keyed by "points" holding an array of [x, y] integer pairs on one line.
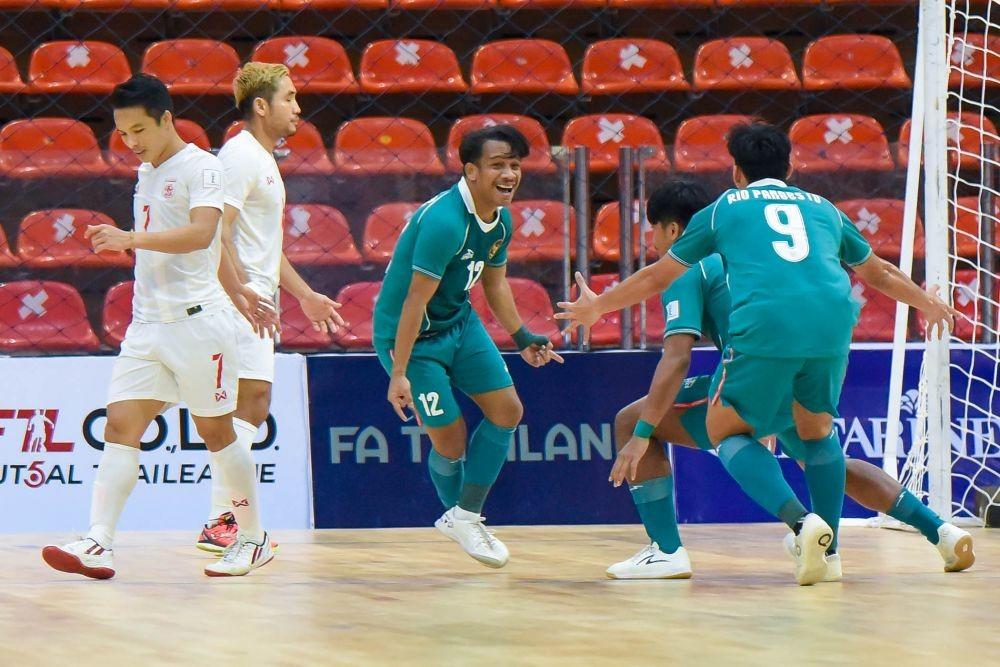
{"points": [[52, 415]]}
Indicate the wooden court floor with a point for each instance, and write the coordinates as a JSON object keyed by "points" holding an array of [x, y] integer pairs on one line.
{"points": [[408, 596]]}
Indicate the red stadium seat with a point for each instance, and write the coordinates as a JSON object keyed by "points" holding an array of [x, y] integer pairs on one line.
{"points": [[700, 144], [77, 67], [969, 298], [302, 153], [328, 5], [43, 316], [854, 62], [317, 64], [770, 3], [616, 66], [43, 147], [539, 159], [975, 61], [386, 145], [824, 143], [10, 77], [297, 332], [607, 237], [552, 4], [881, 222], [410, 66], [533, 304], [424, 5], [382, 230], [316, 234], [529, 66], [108, 5], [744, 63], [607, 332], [117, 313], [223, 5], [968, 236], [538, 231], [604, 134], [54, 238], [878, 313], [123, 162], [193, 66], [968, 135], [7, 259], [358, 301]]}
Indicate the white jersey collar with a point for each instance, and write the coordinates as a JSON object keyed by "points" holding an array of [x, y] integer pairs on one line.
{"points": [[768, 183], [470, 205]]}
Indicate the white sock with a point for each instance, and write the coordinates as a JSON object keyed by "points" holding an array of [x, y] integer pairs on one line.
{"points": [[465, 515], [238, 470], [116, 476], [221, 502]]}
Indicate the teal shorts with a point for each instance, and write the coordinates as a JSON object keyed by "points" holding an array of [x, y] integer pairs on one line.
{"points": [[462, 356], [761, 389], [692, 401]]}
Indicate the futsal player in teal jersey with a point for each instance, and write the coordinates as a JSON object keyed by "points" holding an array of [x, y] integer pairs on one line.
{"points": [[429, 339], [790, 327], [697, 305]]}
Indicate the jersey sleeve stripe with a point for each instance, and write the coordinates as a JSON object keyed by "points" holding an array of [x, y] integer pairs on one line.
{"points": [[678, 259], [860, 262], [671, 332], [426, 272]]}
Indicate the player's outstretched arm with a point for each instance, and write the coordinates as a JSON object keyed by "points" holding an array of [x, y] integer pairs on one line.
{"points": [[422, 288], [259, 311], [670, 373], [888, 279], [536, 349], [319, 308], [189, 238], [641, 285]]}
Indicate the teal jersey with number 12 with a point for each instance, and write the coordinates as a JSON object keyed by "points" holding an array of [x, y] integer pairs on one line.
{"points": [[446, 240], [782, 248]]}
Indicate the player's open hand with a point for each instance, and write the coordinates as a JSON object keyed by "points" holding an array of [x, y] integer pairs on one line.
{"points": [[539, 355], [108, 238], [627, 462], [322, 312], [260, 312], [582, 312], [400, 396], [939, 313]]}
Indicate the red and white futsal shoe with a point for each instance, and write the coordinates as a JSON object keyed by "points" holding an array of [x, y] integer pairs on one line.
{"points": [[241, 557], [217, 535], [85, 557]]}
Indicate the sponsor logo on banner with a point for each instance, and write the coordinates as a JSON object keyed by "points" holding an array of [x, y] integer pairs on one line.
{"points": [[52, 437]]}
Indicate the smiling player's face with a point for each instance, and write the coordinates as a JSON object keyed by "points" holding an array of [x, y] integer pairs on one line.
{"points": [[142, 134], [494, 179]]}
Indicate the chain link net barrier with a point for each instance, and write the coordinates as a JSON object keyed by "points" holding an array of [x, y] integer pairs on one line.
{"points": [[387, 90]]}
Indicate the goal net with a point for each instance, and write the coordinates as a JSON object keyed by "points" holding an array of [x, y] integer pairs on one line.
{"points": [[954, 456]]}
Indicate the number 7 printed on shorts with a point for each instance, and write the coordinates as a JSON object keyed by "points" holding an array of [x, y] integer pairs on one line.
{"points": [[220, 393]]}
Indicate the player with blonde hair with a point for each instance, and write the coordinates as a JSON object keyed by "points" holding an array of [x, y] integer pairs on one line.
{"points": [[252, 240]]}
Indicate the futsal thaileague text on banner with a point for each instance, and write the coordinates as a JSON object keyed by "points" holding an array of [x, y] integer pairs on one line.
{"points": [[52, 415]]}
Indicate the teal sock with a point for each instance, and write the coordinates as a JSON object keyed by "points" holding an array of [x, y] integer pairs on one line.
{"points": [[757, 472], [654, 499], [826, 473], [911, 511], [446, 474], [485, 457]]}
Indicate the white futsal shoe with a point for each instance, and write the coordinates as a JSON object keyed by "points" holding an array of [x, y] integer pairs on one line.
{"points": [[241, 557], [85, 557], [955, 546], [651, 563], [810, 546], [468, 530], [834, 568]]}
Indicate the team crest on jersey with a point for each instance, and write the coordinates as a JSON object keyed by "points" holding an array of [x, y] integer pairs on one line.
{"points": [[168, 190], [495, 248], [469, 254]]}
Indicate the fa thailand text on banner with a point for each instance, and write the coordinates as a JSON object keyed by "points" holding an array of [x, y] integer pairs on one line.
{"points": [[51, 434]]}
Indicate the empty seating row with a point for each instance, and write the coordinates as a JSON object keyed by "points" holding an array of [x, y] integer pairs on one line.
{"points": [[528, 66], [43, 147], [46, 316], [415, 5], [319, 235]]}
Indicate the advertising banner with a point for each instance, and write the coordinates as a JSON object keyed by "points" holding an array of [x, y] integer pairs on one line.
{"points": [[52, 416]]}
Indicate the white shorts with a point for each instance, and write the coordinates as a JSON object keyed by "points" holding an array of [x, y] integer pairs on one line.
{"points": [[195, 361], [256, 353]]}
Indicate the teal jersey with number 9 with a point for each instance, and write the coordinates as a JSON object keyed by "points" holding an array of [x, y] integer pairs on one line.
{"points": [[783, 250], [446, 240]]}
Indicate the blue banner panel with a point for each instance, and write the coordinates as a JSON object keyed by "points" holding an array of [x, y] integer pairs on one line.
{"points": [[369, 469]]}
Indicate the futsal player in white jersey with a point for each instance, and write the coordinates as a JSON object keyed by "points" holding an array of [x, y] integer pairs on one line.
{"points": [[252, 241], [182, 343]]}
